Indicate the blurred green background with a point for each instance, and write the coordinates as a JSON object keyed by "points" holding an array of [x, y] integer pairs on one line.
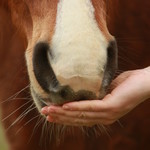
{"points": [[3, 143]]}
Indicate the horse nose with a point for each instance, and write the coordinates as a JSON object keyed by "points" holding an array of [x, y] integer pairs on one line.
{"points": [[58, 93], [59, 88]]}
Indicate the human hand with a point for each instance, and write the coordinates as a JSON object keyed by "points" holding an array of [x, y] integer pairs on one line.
{"points": [[129, 89]]}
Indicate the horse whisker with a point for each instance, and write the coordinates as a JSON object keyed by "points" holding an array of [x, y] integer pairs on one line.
{"points": [[14, 95], [36, 126], [26, 124], [15, 111], [22, 115]]}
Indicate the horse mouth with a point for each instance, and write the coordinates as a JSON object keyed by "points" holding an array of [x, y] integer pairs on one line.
{"points": [[63, 96]]}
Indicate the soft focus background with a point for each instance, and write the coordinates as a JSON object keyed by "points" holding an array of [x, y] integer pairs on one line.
{"points": [[3, 143]]}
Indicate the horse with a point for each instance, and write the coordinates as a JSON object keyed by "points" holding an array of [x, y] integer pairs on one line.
{"points": [[55, 51]]}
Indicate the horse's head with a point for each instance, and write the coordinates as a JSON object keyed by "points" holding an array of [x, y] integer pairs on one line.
{"points": [[71, 55]]}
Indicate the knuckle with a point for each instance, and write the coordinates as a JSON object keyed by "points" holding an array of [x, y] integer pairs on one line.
{"points": [[90, 107], [93, 107], [63, 112]]}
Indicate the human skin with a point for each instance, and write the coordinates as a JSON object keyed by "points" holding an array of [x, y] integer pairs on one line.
{"points": [[129, 90]]}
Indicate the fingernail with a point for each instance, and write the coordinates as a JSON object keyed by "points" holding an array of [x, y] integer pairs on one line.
{"points": [[44, 111]]}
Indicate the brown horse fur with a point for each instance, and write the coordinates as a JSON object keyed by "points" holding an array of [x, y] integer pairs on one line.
{"points": [[129, 22]]}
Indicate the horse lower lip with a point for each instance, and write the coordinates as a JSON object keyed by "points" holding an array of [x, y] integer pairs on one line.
{"points": [[49, 103]]}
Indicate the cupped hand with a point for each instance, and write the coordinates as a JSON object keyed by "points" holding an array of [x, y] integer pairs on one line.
{"points": [[129, 89]]}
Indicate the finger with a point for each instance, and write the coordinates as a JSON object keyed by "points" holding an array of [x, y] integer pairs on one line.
{"points": [[77, 121], [78, 114], [44, 110], [91, 105]]}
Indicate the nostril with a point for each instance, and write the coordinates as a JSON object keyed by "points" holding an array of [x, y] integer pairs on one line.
{"points": [[111, 66], [42, 68]]}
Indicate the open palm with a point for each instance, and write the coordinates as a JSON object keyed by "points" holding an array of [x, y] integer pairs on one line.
{"points": [[129, 89]]}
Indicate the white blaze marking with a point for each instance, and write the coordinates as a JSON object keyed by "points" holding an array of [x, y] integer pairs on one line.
{"points": [[78, 45]]}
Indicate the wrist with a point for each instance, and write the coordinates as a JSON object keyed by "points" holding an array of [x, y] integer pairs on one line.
{"points": [[147, 80]]}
